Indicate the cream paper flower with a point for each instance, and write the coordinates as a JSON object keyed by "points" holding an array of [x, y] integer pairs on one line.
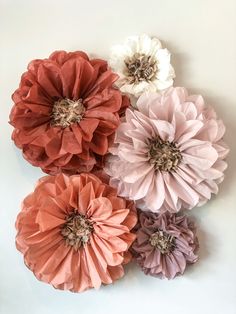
{"points": [[142, 65]]}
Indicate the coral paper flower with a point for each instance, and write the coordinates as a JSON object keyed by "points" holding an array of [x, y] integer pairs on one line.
{"points": [[66, 111], [74, 232], [165, 244], [142, 65], [169, 154]]}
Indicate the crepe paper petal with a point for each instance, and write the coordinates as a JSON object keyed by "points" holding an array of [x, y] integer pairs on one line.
{"points": [[66, 111], [142, 65], [165, 244], [81, 244], [168, 154]]}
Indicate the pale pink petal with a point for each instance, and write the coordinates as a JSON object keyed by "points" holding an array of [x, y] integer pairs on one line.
{"points": [[134, 172], [202, 157], [188, 130], [164, 129]]}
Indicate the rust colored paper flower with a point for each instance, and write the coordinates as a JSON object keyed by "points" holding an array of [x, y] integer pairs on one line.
{"points": [[66, 111], [74, 232], [165, 244]]}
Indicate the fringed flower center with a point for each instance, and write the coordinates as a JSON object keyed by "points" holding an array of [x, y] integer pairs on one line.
{"points": [[77, 230], [164, 155], [162, 241], [140, 67], [66, 111]]}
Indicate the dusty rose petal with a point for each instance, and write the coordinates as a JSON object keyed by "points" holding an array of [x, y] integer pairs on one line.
{"points": [[180, 231]]}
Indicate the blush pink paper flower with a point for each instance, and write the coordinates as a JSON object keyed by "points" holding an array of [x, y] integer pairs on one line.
{"points": [[74, 232], [169, 153], [165, 244]]}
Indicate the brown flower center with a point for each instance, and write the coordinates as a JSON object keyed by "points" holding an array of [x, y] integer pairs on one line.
{"points": [[66, 111], [162, 241], [164, 155], [140, 67], [77, 230]]}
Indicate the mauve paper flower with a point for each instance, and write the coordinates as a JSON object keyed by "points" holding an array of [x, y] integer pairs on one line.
{"points": [[169, 154], [66, 112], [165, 244], [142, 65], [74, 232]]}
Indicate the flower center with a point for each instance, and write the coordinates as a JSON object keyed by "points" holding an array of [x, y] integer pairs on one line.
{"points": [[140, 67], [164, 155], [66, 111], [162, 241], [76, 231]]}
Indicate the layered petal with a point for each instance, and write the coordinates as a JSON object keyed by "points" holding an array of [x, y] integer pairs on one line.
{"points": [[169, 154], [65, 112], [142, 65], [75, 232], [165, 244]]}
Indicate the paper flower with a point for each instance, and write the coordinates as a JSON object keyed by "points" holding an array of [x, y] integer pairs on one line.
{"points": [[169, 154], [74, 232], [165, 244], [66, 111], [142, 65]]}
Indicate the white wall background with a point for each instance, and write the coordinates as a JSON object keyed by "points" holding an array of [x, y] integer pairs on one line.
{"points": [[201, 36]]}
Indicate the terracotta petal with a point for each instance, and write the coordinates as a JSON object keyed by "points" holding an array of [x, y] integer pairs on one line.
{"points": [[73, 76]]}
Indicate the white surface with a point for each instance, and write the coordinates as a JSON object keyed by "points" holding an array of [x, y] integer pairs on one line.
{"points": [[201, 36]]}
